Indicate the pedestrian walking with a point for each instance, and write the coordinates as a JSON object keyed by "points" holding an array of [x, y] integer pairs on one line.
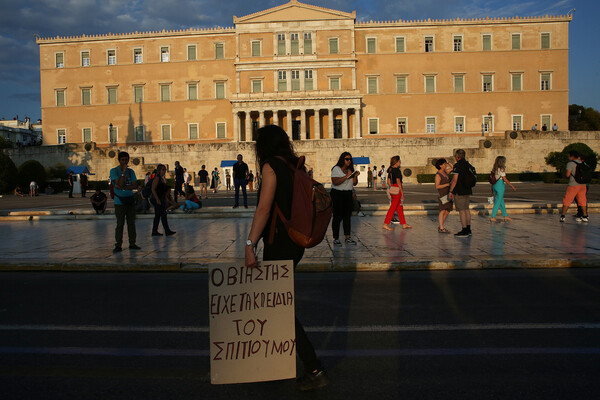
{"points": [[442, 184], [33, 188], [83, 183], [369, 177], [277, 186], [187, 178], [203, 181], [240, 176], [250, 181], [396, 191], [375, 178], [228, 179], [70, 179], [498, 188], [124, 181], [160, 202], [343, 179], [575, 190], [214, 185], [179, 180], [579, 213], [461, 188], [383, 176]]}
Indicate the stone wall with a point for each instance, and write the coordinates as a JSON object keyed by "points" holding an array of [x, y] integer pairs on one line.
{"points": [[525, 152]]}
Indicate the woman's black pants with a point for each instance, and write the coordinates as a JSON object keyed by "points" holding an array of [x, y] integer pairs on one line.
{"points": [[342, 211]]}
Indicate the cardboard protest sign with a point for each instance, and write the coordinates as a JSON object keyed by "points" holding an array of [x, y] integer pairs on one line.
{"points": [[252, 325]]}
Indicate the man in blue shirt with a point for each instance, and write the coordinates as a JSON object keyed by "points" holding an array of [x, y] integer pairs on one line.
{"points": [[124, 181]]}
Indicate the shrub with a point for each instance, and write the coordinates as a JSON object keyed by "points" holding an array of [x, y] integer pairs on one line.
{"points": [[59, 171], [559, 160], [29, 171], [6, 143], [8, 174]]}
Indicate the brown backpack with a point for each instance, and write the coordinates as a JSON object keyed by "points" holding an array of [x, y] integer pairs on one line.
{"points": [[310, 212]]}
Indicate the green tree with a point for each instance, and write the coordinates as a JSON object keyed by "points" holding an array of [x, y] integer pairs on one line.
{"points": [[59, 171], [5, 143], [583, 119], [8, 174], [29, 171], [559, 159]]}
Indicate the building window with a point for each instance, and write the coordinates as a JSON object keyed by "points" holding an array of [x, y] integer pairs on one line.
{"points": [[294, 44], [295, 80], [62, 136], [372, 85], [545, 81], [307, 43], [333, 46], [400, 84], [220, 90], [87, 135], [60, 98], [112, 57], [516, 82], [255, 44], [334, 83], [430, 124], [400, 48], [459, 83], [140, 133], [308, 79], [164, 54], [487, 83], [459, 124], [545, 40], [113, 134], [192, 91], [256, 86], [281, 81], [281, 44], [86, 97], [546, 120], [165, 132], [60, 60], [488, 124], [487, 42], [85, 58], [516, 41], [458, 43], [428, 44], [112, 95], [221, 130], [165, 92], [219, 51], [430, 84], [191, 52], [401, 125], [517, 122], [193, 131], [138, 94], [373, 126], [371, 45], [138, 56]]}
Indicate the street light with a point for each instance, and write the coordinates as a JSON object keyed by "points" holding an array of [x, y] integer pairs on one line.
{"points": [[490, 122], [110, 136]]}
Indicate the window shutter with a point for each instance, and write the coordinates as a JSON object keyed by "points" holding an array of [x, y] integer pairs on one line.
{"points": [[166, 132], [220, 90], [256, 86], [191, 53], [487, 42], [86, 97], [221, 131], [307, 46], [371, 46], [372, 83], [255, 49], [165, 94], [219, 53], [112, 95], [545, 40], [87, 135], [400, 45], [459, 86], [60, 60], [401, 84], [139, 94], [194, 131], [516, 42], [333, 46], [429, 84], [516, 82], [372, 126]]}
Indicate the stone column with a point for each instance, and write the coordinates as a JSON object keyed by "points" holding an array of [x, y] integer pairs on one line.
{"points": [[261, 120], [275, 117], [303, 124], [289, 122], [317, 134], [248, 127], [236, 126], [356, 123], [330, 121], [345, 123]]}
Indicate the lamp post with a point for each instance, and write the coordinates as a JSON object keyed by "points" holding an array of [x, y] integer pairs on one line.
{"points": [[110, 135], [490, 123]]}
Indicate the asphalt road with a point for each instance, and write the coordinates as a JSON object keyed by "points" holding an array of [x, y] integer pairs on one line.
{"points": [[415, 194], [498, 334]]}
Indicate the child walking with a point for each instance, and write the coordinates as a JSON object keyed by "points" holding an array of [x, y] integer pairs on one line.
{"points": [[499, 171]]}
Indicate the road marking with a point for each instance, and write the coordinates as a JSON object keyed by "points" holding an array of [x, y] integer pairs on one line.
{"points": [[317, 329], [155, 352]]}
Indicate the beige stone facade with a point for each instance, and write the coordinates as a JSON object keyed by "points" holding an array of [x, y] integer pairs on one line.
{"points": [[316, 72]]}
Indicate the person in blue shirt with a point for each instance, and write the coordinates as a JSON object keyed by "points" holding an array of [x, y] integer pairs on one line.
{"points": [[123, 180]]}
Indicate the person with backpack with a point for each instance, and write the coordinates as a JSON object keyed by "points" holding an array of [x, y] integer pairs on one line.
{"points": [[343, 180], [280, 175], [579, 213], [579, 174], [461, 189], [159, 200], [498, 180]]}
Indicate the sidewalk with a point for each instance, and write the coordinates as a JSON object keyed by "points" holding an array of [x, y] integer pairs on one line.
{"points": [[529, 241]]}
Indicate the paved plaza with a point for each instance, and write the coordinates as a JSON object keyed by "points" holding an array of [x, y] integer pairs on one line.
{"points": [[527, 241]]}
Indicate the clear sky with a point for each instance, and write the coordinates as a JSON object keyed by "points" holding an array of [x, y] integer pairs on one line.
{"points": [[20, 20]]}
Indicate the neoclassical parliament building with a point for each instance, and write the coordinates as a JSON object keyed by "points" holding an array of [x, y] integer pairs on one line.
{"points": [[321, 74]]}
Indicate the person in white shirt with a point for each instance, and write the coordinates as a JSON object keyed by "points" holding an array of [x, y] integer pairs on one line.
{"points": [[498, 188], [343, 180]]}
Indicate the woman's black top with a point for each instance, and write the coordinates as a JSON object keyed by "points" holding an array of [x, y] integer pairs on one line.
{"points": [[282, 248], [395, 174], [161, 188]]}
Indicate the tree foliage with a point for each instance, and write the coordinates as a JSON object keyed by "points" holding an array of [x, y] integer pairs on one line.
{"points": [[59, 171], [6, 144], [31, 170], [559, 159], [8, 174], [583, 119]]}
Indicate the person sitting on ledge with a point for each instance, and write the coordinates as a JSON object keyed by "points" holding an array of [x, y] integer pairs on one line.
{"points": [[19, 192], [99, 200]]}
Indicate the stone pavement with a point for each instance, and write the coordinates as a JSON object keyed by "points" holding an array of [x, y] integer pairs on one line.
{"points": [[529, 241]]}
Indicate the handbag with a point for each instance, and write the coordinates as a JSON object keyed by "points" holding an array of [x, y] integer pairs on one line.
{"points": [[394, 190]]}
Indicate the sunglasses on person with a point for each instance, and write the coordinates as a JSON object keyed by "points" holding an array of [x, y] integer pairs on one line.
{"points": [[348, 158]]}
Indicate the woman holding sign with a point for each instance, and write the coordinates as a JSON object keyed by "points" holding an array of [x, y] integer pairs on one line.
{"points": [[272, 148]]}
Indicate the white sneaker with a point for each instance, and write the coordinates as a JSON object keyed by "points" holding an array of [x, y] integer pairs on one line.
{"points": [[360, 214], [336, 242]]}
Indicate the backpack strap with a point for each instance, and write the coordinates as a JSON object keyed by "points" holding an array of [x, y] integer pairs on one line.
{"points": [[276, 214]]}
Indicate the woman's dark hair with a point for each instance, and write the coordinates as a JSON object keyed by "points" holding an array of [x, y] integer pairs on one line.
{"points": [[273, 141], [189, 189], [438, 164], [159, 167], [341, 162], [393, 161]]}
